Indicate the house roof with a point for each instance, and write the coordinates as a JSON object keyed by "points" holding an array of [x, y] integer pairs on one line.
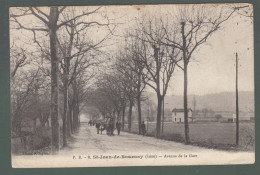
{"points": [[180, 110]]}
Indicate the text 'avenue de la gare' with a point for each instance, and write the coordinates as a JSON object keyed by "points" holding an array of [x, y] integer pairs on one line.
{"points": [[146, 156]]}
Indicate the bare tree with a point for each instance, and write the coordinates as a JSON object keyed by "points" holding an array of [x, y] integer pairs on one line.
{"points": [[244, 10], [20, 97], [159, 62], [113, 88], [18, 59], [195, 25], [51, 21], [132, 70], [76, 44], [97, 99]]}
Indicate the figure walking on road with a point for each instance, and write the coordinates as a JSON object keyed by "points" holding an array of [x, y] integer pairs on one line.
{"points": [[118, 127], [111, 127], [143, 128], [98, 127], [102, 127]]}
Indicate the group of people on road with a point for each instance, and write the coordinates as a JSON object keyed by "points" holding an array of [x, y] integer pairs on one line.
{"points": [[109, 127], [91, 123], [100, 127]]}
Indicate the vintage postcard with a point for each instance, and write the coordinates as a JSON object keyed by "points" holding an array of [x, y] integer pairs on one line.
{"points": [[132, 85]]}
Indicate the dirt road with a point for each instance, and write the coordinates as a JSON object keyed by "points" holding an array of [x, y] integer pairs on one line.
{"points": [[89, 149], [87, 140]]}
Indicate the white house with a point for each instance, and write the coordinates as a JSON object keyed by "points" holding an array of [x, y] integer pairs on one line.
{"points": [[178, 115]]}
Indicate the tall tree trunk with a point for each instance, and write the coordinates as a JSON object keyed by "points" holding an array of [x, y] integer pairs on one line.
{"points": [[139, 112], [186, 121], [185, 96], [123, 118], [77, 117], [66, 84], [75, 108], [159, 113], [54, 79], [69, 114], [65, 104], [139, 102], [68, 125], [130, 116], [74, 118], [70, 121], [66, 94]]}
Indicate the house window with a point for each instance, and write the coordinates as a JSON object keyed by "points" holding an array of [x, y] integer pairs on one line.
{"points": [[180, 119]]}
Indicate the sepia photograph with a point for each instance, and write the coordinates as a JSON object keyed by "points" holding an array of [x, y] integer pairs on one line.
{"points": [[132, 85]]}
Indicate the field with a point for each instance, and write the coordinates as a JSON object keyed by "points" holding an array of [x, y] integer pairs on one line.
{"points": [[215, 134]]}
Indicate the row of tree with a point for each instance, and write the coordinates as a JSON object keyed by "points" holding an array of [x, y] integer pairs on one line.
{"points": [[63, 57], [153, 50]]}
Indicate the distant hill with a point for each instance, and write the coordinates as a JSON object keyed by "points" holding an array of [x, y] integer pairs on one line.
{"points": [[224, 101]]}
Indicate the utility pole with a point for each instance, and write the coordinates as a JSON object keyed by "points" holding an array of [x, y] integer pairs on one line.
{"points": [[237, 110], [194, 103]]}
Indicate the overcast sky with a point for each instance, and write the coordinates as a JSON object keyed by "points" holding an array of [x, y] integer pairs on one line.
{"points": [[213, 70]]}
